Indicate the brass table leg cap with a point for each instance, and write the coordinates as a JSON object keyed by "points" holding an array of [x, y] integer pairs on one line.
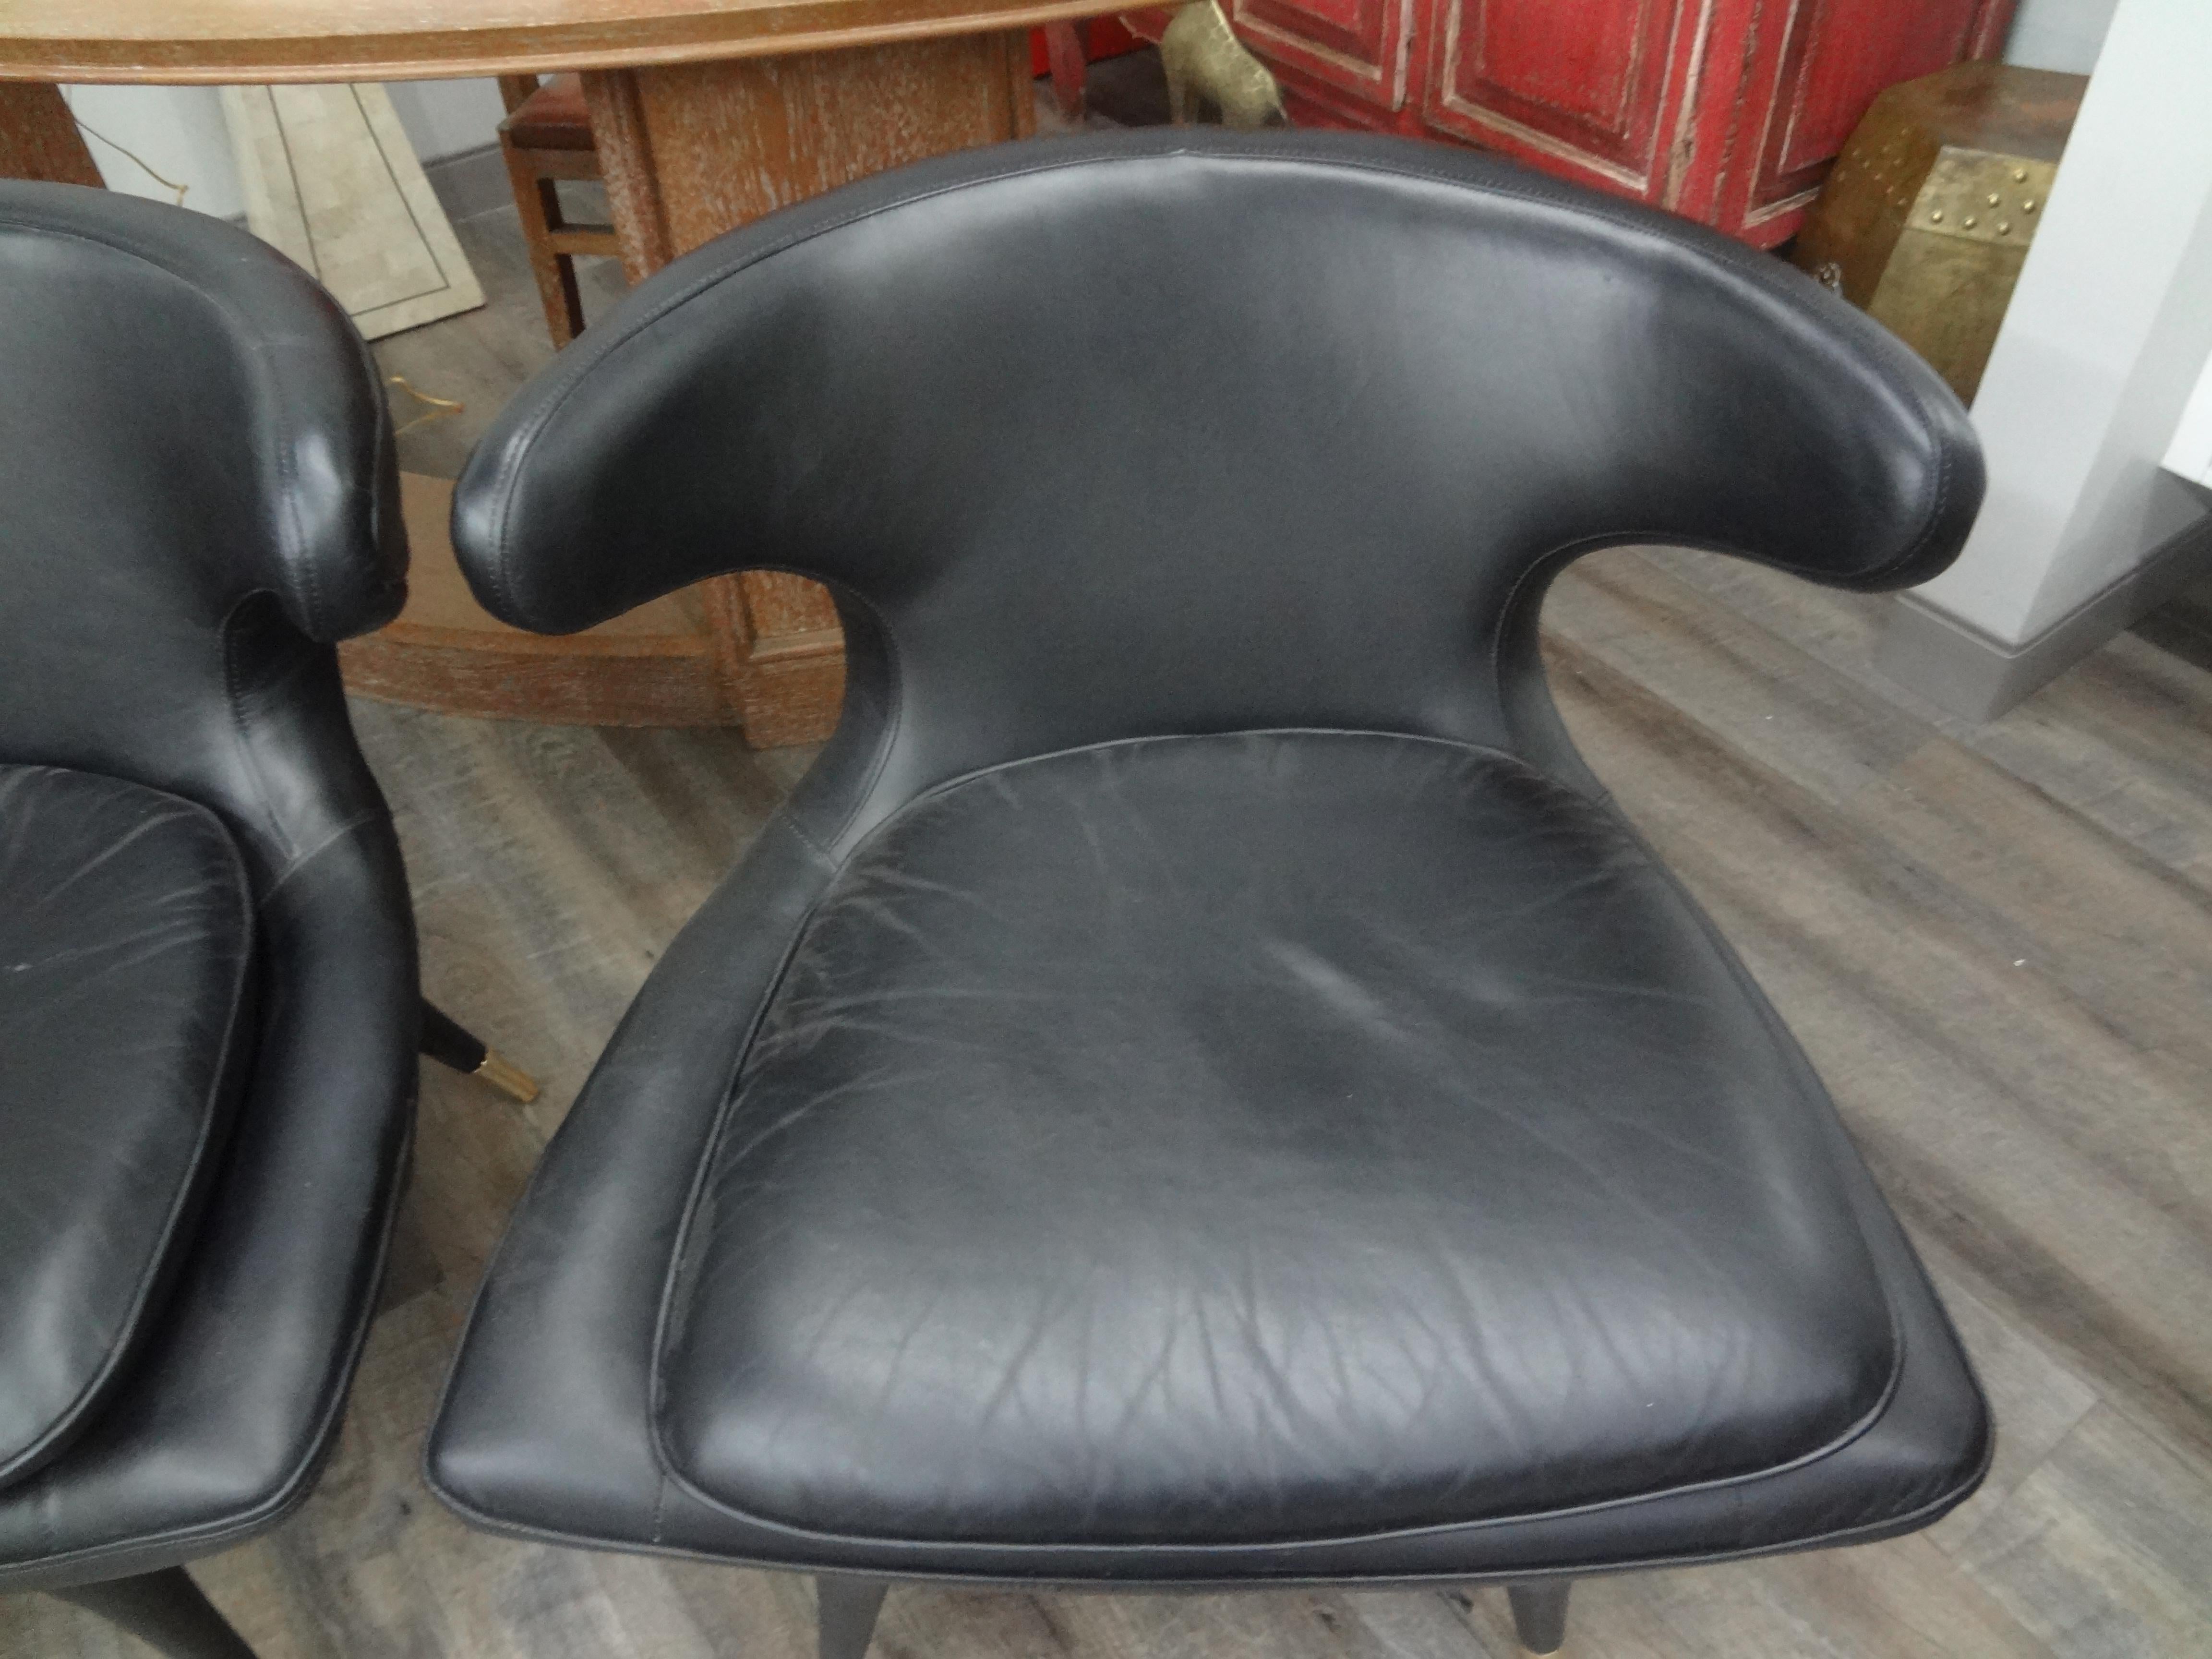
{"points": [[510, 1080]]}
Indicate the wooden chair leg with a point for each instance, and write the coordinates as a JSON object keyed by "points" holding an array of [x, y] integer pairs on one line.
{"points": [[1063, 46], [549, 200], [844, 1613], [166, 1611], [1540, 1614], [557, 277], [515, 89]]}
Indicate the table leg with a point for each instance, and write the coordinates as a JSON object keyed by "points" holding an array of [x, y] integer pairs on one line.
{"points": [[39, 138], [690, 150]]}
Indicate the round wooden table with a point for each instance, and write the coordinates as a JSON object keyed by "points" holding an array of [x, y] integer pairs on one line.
{"points": [[706, 113]]}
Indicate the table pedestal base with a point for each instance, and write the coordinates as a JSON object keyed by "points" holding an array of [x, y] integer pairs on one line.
{"points": [[39, 138], [692, 150], [656, 666]]}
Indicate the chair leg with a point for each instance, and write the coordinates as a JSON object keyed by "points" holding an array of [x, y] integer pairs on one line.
{"points": [[514, 90], [166, 1611], [572, 297], [1063, 45], [448, 1043], [1540, 1614], [844, 1613], [557, 277]]}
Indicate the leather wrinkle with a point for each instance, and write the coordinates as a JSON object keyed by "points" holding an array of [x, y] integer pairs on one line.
{"points": [[159, 938], [668, 1328], [669, 1317]]}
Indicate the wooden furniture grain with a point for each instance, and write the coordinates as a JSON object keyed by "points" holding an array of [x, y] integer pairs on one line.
{"points": [[1064, 55], [690, 150], [547, 138], [1729, 111], [39, 138], [706, 114], [1064, 51], [216, 42], [656, 666]]}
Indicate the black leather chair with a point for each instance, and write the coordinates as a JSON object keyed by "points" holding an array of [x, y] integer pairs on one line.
{"points": [[208, 1010], [1198, 1087]]}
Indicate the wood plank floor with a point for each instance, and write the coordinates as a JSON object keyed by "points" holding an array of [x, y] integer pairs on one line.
{"points": [[1996, 943]]}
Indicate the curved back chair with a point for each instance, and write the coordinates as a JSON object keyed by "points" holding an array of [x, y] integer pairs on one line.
{"points": [[1198, 1087], [209, 1015]]}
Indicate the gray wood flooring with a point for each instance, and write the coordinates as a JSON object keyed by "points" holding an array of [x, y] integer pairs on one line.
{"points": [[1996, 943]]}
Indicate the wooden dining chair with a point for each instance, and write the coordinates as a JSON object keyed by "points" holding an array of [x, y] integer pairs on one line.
{"points": [[546, 137], [1068, 62]]}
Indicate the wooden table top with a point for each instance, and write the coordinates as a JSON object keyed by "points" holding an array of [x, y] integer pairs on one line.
{"points": [[187, 41]]}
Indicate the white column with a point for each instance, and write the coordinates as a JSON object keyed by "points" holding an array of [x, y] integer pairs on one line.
{"points": [[2107, 331]]}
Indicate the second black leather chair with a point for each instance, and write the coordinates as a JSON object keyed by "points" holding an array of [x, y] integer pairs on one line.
{"points": [[1198, 1087], [208, 1010]]}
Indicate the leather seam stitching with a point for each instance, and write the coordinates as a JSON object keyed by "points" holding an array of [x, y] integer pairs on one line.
{"points": [[1785, 1044], [1719, 258], [278, 831], [384, 445], [66, 1425], [1951, 1495], [672, 1274], [300, 1486], [289, 539], [895, 684]]}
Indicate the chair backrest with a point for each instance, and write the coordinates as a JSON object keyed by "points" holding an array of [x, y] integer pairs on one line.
{"points": [[1190, 431], [197, 495]]}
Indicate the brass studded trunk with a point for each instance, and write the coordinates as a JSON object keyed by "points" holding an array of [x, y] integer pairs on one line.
{"points": [[1929, 211]]}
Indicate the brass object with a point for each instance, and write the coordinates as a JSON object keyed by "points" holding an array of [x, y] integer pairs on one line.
{"points": [[1207, 65], [510, 1080], [1929, 211], [1960, 177], [436, 409]]}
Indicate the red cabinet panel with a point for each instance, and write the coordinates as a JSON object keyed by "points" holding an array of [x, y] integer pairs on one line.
{"points": [[1836, 55], [1355, 46], [1728, 111], [1583, 83]]}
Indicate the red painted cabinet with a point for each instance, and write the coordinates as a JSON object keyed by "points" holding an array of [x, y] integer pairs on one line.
{"points": [[1729, 111]]}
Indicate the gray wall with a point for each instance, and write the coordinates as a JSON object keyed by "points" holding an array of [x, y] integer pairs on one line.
{"points": [[2058, 34]]}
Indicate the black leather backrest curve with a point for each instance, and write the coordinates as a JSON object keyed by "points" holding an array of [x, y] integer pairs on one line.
{"points": [[197, 486], [1188, 431]]}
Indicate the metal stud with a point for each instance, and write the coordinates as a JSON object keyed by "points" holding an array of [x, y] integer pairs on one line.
{"points": [[2019, 175], [1967, 224], [2028, 206], [1992, 198], [2004, 227], [1937, 217]]}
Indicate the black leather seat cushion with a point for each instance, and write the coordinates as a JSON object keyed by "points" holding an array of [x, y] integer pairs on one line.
{"points": [[1256, 1137], [126, 945]]}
